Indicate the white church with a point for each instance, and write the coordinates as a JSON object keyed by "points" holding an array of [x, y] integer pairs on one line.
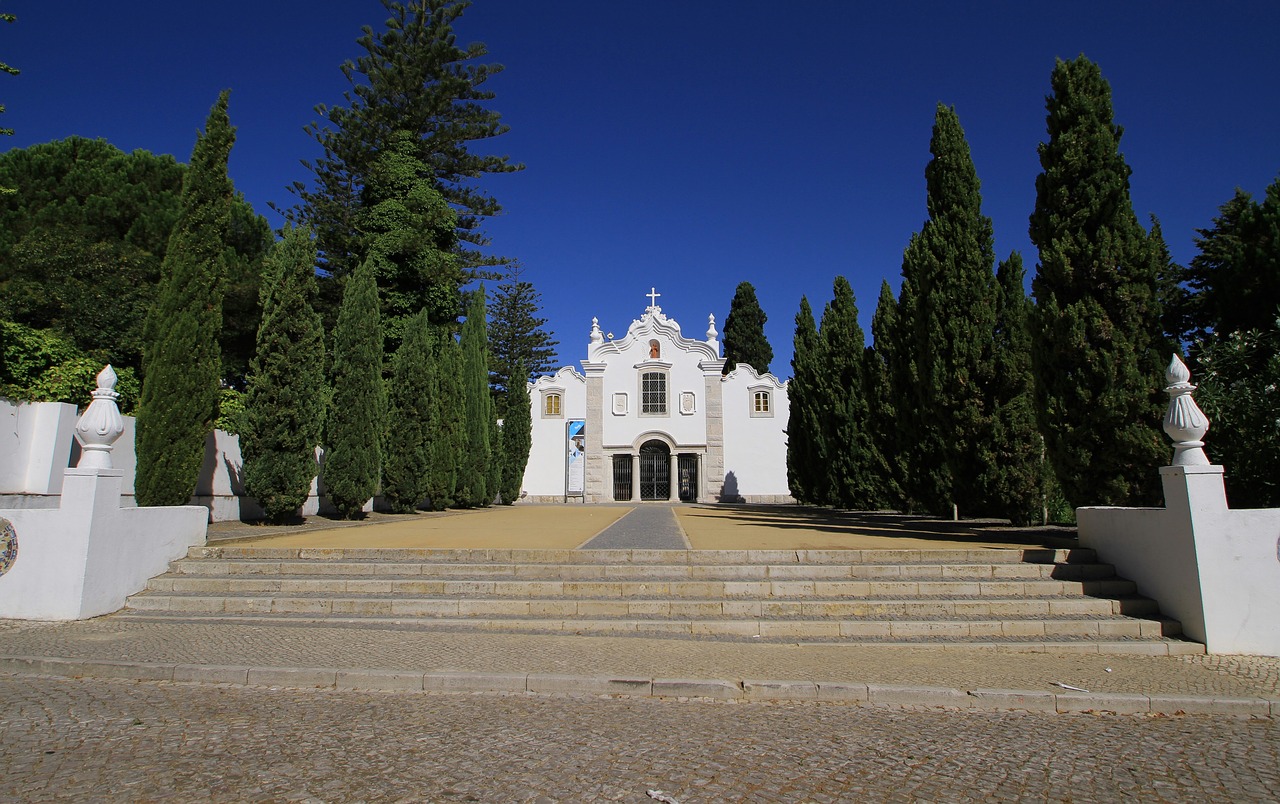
{"points": [[650, 417]]}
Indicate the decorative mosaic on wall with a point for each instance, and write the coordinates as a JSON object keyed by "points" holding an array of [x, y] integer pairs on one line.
{"points": [[8, 545]]}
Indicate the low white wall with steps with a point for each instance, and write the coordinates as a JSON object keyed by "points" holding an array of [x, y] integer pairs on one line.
{"points": [[1214, 569], [85, 557]]}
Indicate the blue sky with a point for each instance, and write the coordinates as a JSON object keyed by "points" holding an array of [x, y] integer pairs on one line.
{"points": [[692, 145]]}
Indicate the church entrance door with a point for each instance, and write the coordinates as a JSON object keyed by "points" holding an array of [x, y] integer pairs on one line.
{"points": [[655, 471]]}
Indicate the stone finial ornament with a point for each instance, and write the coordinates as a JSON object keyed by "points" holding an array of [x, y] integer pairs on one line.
{"points": [[100, 425], [596, 335], [712, 335], [1185, 423]]}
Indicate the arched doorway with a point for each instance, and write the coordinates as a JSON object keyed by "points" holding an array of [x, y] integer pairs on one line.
{"points": [[655, 471]]}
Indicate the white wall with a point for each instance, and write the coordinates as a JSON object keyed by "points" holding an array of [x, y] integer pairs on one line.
{"points": [[35, 445], [544, 475], [85, 558], [755, 447], [1215, 570]]}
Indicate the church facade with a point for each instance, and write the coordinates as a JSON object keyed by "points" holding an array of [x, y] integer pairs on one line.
{"points": [[651, 418]]}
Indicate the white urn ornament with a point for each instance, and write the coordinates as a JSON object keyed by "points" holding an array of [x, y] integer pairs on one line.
{"points": [[100, 425], [1184, 422]]}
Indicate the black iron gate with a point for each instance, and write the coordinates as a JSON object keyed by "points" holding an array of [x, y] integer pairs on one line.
{"points": [[688, 467], [621, 477], [655, 472]]}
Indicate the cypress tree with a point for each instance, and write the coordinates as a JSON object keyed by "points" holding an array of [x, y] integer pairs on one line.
{"points": [[882, 406], [284, 401], [744, 340], [804, 432], [517, 438], [1096, 325], [949, 263], [181, 357], [407, 463], [354, 428], [473, 474], [1015, 476], [845, 451], [448, 416]]}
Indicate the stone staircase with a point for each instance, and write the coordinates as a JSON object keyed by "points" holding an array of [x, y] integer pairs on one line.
{"points": [[1020, 599]]}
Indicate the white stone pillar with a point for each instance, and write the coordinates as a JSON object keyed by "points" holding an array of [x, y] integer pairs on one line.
{"points": [[673, 493], [635, 478]]}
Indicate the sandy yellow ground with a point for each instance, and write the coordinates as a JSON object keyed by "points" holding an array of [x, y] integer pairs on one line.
{"points": [[792, 528], [499, 528]]}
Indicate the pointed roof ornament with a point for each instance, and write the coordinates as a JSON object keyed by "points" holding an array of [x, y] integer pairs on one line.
{"points": [[1184, 422]]}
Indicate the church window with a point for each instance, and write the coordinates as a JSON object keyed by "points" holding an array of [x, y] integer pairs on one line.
{"points": [[551, 406], [761, 403], [653, 393]]}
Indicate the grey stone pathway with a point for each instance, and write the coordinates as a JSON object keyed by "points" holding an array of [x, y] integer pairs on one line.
{"points": [[649, 526], [117, 740]]}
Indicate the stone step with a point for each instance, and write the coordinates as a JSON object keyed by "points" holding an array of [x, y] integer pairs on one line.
{"points": [[394, 605], [684, 557], [1063, 629], [471, 587], [636, 572]]}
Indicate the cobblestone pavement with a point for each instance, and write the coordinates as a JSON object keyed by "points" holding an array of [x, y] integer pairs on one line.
{"points": [[327, 646], [647, 527], [84, 740]]}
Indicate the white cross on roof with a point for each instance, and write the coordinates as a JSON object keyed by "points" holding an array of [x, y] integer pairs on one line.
{"points": [[653, 295]]}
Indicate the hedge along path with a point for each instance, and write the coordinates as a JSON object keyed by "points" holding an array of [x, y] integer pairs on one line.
{"points": [[761, 527], [550, 527]]}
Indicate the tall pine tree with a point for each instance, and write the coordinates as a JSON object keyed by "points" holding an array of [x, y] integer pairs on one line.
{"points": [[744, 340], [473, 474], [409, 236], [804, 430], [520, 347], [407, 463], [949, 265], [284, 400], [354, 428], [1096, 327], [414, 77], [181, 357]]}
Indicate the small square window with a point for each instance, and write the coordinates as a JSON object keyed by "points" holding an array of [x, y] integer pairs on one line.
{"points": [[761, 404], [551, 406]]}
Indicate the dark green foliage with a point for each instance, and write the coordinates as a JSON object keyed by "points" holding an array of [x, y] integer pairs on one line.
{"points": [[519, 346], [1015, 471], [884, 420], [1239, 390], [448, 412], [846, 452], [283, 404], [91, 223], [406, 467], [517, 438], [411, 77], [948, 266], [1096, 327], [181, 360], [45, 366], [354, 425], [1235, 279], [805, 476], [477, 450], [409, 236], [1172, 295], [744, 340]]}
